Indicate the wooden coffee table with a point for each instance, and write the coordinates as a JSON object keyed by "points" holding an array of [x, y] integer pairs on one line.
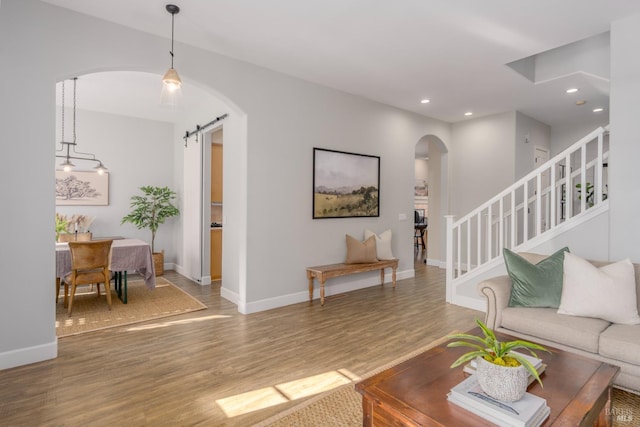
{"points": [[414, 393]]}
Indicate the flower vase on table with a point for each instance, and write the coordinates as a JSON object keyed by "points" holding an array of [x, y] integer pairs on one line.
{"points": [[502, 372]]}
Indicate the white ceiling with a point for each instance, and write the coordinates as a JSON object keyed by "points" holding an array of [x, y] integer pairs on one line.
{"points": [[396, 52]]}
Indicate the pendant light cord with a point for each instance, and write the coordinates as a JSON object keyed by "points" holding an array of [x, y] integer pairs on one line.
{"points": [[70, 147], [75, 79], [173, 15]]}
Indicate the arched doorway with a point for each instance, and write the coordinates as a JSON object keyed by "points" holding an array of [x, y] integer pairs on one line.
{"points": [[120, 120], [430, 165]]}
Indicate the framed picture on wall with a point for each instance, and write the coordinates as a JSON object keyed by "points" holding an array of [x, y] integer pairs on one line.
{"points": [[82, 188], [421, 188], [345, 185]]}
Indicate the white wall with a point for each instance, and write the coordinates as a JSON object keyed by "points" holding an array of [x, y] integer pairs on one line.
{"points": [[437, 188], [27, 124], [269, 235], [624, 174], [537, 134], [563, 136], [482, 160], [421, 169], [280, 191]]}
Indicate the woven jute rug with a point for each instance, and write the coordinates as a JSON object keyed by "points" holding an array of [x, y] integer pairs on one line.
{"points": [[91, 313], [342, 406]]}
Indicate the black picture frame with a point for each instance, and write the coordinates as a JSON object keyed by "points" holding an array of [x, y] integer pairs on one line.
{"points": [[345, 185]]}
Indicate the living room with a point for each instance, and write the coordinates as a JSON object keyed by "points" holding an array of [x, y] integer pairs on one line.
{"points": [[271, 123]]}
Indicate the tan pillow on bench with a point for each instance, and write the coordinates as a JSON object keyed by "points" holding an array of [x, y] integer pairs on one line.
{"points": [[361, 252]]}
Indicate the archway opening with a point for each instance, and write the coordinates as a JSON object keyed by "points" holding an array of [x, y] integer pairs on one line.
{"points": [[431, 195], [119, 118]]}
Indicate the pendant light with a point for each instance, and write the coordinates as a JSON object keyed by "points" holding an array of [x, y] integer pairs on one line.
{"points": [[68, 149], [171, 83]]}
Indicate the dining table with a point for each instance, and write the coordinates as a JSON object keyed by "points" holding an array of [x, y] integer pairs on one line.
{"points": [[126, 255]]}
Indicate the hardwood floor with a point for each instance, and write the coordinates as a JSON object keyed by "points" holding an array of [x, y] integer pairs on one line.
{"points": [[217, 367]]}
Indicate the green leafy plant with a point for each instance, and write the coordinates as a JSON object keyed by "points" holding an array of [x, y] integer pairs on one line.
{"points": [[589, 193], [490, 349], [151, 209], [61, 224]]}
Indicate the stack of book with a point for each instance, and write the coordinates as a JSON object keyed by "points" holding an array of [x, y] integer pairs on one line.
{"points": [[530, 411]]}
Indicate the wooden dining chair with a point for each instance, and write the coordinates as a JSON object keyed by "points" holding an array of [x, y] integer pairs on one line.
{"points": [[89, 264]]}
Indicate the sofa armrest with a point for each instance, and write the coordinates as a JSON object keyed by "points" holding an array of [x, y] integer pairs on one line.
{"points": [[497, 290]]}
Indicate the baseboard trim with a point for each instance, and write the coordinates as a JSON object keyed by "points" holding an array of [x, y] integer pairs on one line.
{"points": [[180, 269], [436, 263], [203, 281], [230, 296], [28, 355], [469, 302], [329, 289]]}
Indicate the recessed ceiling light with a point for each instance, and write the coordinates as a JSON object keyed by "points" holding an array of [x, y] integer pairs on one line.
{"points": [[425, 101], [468, 113], [572, 90], [598, 110], [581, 102]]}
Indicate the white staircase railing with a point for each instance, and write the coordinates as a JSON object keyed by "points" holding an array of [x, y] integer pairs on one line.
{"points": [[544, 199]]}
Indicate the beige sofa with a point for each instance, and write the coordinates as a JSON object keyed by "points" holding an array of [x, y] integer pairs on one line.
{"points": [[596, 338]]}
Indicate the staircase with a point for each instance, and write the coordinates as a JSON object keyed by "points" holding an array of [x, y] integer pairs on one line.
{"points": [[548, 201]]}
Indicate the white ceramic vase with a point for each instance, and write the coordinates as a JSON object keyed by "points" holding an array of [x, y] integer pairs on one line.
{"points": [[504, 383]]}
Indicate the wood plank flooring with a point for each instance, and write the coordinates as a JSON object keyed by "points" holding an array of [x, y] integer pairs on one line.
{"points": [[217, 367]]}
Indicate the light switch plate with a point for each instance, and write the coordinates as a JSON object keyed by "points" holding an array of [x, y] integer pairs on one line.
{"points": [[402, 217]]}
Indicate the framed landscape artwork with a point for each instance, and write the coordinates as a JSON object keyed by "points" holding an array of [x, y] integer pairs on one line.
{"points": [[345, 184], [82, 188]]}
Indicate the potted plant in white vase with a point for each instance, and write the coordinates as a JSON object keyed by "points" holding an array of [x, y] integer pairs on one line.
{"points": [[502, 373], [149, 211]]}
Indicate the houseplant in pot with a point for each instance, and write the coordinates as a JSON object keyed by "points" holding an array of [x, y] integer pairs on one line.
{"points": [[149, 210], [502, 372]]}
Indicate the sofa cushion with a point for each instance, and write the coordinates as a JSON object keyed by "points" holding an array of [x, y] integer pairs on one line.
{"points": [[621, 342], [608, 292], [360, 252], [535, 285], [546, 323], [636, 268]]}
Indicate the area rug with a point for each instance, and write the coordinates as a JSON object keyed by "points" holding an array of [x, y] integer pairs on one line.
{"points": [[91, 313], [342, 406]]}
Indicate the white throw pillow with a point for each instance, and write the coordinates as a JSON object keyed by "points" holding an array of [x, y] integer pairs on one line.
{"points": [[608, 292], [383, 244]]}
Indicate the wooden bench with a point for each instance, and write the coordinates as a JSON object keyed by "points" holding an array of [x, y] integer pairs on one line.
{"points": [[324, 272]]}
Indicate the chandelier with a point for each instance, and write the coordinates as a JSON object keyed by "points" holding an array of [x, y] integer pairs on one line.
{"points": [[68, 149]]}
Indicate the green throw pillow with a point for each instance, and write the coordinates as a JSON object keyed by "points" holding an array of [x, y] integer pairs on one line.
{"points": [[535, 285]]}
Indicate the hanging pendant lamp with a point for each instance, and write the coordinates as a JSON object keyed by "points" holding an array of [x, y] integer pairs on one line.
{"points": [[171, 83], [68, 149]]}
